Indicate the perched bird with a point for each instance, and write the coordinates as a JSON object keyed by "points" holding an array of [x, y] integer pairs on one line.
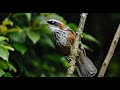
{"points": [[63, 38]]}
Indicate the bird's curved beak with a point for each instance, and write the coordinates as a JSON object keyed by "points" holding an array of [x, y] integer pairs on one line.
{"points": [[43, 22]]}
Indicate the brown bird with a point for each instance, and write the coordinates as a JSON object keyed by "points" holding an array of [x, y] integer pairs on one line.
{"points": [[63, 38]]}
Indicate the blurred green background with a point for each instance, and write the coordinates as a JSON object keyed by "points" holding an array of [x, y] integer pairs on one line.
{"points": [[27, 49]]}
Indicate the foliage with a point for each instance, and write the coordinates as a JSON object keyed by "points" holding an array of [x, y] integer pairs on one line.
{"points": [[32, 52], [85, 36]]}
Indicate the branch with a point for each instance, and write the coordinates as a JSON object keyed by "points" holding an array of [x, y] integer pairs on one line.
{"points": [[75, 46], [110, 53]]}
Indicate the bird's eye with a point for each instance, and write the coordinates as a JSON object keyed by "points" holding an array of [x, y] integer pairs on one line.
{"points": [[51, 22]]}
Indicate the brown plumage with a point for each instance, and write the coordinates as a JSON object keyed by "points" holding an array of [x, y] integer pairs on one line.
{"points": [[63, 39], [65, 49]]}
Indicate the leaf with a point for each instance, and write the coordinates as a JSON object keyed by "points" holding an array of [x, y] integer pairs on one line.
{"points": [[7, 22], [18, 14], [33, 36], [3, 29], [4, 53], [91, 38], [11, 67], [28, 15], [14, 29], [49, 42], [86, 47], [8, 47], [18, 36], [20, 48], [3, 65], [1, 72], [7, 74], [72, 26], [64, 60], [2, 38]]}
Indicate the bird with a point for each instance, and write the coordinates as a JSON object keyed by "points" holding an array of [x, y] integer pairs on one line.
{"points": [[63, 38]]}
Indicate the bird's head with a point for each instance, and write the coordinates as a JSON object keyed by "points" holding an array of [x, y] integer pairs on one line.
{"points": [[54, 24]]}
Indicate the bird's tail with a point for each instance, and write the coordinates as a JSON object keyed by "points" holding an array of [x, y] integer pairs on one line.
{"points": [[84, 66]]}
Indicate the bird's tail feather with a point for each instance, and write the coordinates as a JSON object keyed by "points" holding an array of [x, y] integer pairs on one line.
{"points": [[85, 66]]}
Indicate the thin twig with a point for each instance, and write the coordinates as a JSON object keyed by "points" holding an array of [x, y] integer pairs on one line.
{"points": [[75, 46], [110, 53]]}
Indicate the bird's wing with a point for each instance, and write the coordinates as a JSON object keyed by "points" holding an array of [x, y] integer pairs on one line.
{"points": [[85, 66]]}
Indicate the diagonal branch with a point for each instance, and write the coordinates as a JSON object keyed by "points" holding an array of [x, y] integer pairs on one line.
{"points": [[75, 46], [110, 53]]}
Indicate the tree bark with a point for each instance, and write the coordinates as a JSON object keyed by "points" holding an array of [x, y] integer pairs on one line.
{"points": [[110, 53], [75, 47]]}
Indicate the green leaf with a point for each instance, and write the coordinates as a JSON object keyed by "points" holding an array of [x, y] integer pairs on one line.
{"points": [[86, 47], [28, 15], [18, 14], [16, 29], [1, 72], [7, 74], [2, 38], [8, 47], [20, 48], [11, 67], [3, 29], [64, 60], [90, 38], [33, 36], [7, 22], [3, 65], [72, 26], [18, 36], [49, 42], [4, 53]]}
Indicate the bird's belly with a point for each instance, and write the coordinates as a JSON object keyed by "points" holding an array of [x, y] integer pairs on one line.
{"points": [[60, 39], [61, 43], [62, 46]]}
